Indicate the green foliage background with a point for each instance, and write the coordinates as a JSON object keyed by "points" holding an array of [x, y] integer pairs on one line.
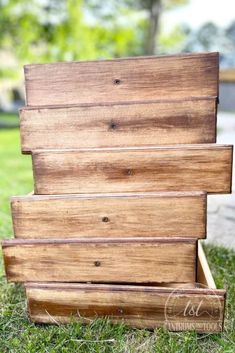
{"points": [[67, 30]]}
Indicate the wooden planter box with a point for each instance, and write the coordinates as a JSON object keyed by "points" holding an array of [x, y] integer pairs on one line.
{"points": [[124, 154], [205, 167], [116, 260], [176, 307], [171, 214], [119, 125]]}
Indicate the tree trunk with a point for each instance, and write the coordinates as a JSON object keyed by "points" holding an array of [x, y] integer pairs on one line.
{"points": [[155, 7]]}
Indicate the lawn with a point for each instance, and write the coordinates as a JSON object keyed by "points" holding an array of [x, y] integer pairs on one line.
{"points": [[18, 335], [8, 120]]}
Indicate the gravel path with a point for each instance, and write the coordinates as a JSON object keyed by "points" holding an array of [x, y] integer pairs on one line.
{"points": [[221, 208]]}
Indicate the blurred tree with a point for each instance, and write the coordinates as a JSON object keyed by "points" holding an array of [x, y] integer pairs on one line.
{"points": [[65, 30], [49, 30], [230, 32], [209, 37], [79, 36], [150, 10], [154, 9], [171, 42], [60, 30], [228, 57]]}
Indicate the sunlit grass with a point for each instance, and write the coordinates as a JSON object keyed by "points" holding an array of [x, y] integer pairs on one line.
{"points": [[15, 176], [8, 120]]}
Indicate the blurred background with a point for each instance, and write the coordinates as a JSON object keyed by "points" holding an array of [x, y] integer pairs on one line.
{"points": [[40, 31]]}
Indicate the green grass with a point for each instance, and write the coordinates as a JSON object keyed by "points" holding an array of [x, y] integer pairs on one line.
{"points": [[18, 335], [15, 175], [8, 120]]}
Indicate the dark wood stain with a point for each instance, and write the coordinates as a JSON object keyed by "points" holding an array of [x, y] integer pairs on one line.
{"points": [[189, 168], [99, 260], [137, 79], [189, 121]]}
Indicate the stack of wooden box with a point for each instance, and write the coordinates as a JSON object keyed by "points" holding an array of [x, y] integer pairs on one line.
{"points": [[123, 155]]}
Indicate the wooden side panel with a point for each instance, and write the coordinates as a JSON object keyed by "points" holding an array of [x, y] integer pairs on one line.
{"points": [[116, 260], [119, 125], [146, 307], [110, 215], [204, 275], [179, 168], [121, 80]]}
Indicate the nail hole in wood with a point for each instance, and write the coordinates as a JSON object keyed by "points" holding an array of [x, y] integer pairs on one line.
{"points": [[129, 172], [117, 81], [120, 311], [113, 126], [105, 219], [97, 263]]}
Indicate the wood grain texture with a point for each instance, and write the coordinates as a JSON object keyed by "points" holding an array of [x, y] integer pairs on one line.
{"points": [[98, 260], [204, 275], [121, 80], [110, 215], [119, 125], [171, 168], [140, 306]]}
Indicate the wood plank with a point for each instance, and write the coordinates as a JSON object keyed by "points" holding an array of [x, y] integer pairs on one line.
{"points": [[227, 75], [143, 307], [121, 80], [100, 260], [139, 306], [170, 168], [110, 215], [204, 275], [119, 125]]}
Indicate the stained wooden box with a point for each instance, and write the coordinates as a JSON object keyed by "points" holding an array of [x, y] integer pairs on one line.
{"points": [[170, 214], [206, 167], [169, 77], [136, 139], [189, 120], [145, 101], [114, 260], [176, 307]]}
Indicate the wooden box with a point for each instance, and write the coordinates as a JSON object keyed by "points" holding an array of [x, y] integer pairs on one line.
{"points": [[139, 79], [170, 214], [190, 120], [123, 155], [198, 307], [170, 168], [115, 260]]}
